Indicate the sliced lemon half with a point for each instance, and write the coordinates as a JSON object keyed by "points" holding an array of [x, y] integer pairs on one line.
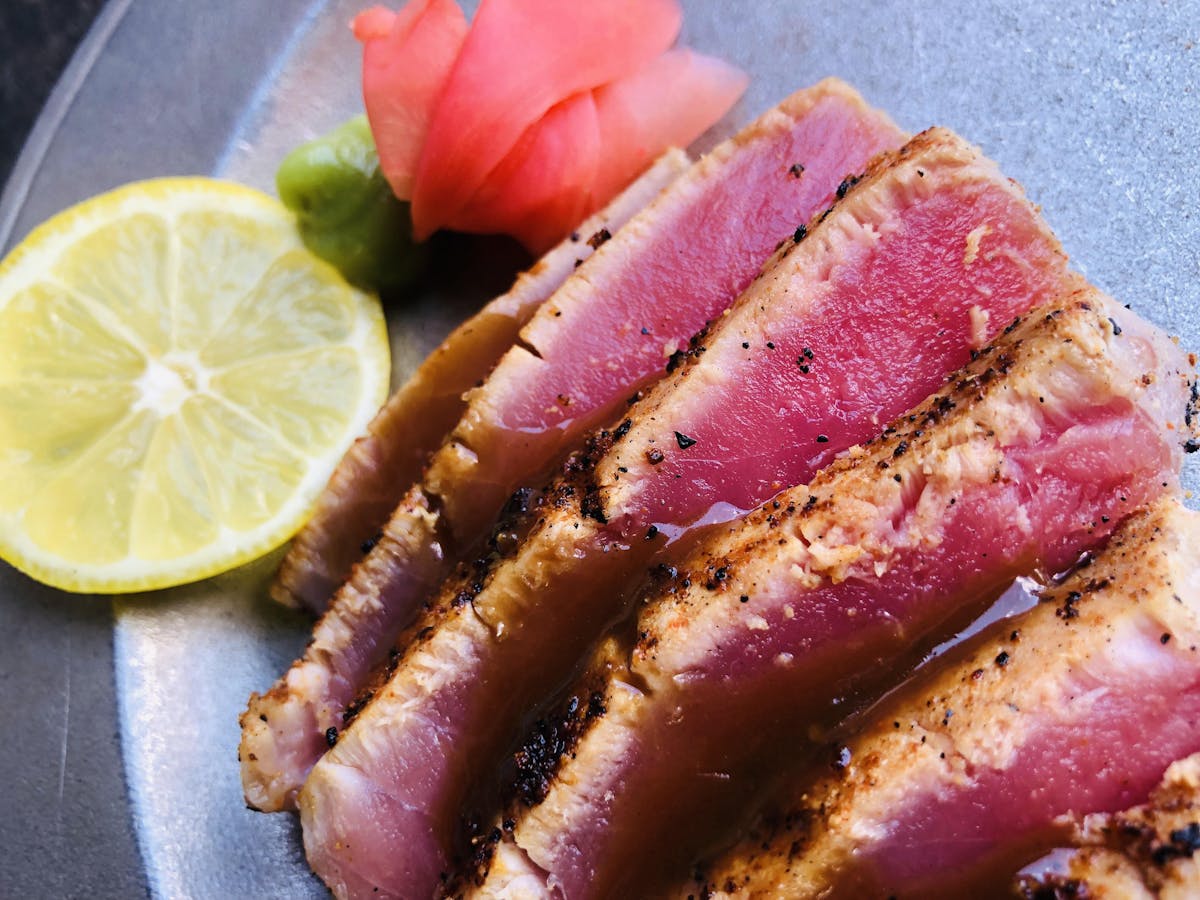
{"points": [[178, 378]]}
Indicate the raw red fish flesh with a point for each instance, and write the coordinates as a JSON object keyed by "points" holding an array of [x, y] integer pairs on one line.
{"points": [[377, 470], [284, 731], [379, 809], [975, 769], [574, 366], [1145, 852], [1029, 457], [674, 268]]}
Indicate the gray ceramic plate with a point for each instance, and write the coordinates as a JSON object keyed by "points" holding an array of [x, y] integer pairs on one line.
{"points": [[1093, 106]]}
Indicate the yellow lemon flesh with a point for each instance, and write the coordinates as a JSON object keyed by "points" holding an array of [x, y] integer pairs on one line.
{"points": [[178, 378]]}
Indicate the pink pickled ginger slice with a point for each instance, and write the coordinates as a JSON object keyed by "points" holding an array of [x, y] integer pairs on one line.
{"points": [[521, 58], [544, 187], [667, 103], [407, 57]]}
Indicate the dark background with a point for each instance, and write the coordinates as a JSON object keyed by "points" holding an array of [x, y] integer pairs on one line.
{"points": [[37, 38]]}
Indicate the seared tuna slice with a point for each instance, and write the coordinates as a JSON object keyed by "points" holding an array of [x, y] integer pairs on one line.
{"points": [[1028, 458], [1145, 852], [457, 698], [372, 477], [676, 266], [287, 729], [671, 268], [969, 772]]}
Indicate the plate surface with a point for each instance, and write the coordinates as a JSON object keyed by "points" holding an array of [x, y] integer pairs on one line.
{"points": [[1090, 105]]}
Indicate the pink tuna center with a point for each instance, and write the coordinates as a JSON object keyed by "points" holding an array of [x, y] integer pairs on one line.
{"points": [[690, 268], [894, 317]]}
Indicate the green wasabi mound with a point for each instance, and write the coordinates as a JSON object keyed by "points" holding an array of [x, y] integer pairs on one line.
{"points": [[346, 212]]}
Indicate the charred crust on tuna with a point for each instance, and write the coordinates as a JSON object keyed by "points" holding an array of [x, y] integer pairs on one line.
{"points": [[718, 575], [370, 543], [600, 238], [1068, 610], [1193, 404], [694, 350], [1052, 887], [377, 680], [355, 706], [550, 740], [663, 573], [847, 183], [592, 507]]}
